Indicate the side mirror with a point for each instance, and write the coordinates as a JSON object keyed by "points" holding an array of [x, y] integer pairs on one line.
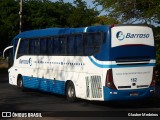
{"points": [[9, 47]]}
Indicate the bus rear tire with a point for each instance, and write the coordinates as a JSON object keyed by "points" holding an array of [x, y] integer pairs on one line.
{"points": [[20, 82], [70, 92]]}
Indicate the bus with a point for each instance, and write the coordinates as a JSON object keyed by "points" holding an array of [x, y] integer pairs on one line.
{"points": [[99, 63]]}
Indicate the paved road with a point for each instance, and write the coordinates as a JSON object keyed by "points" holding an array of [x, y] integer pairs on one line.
{"points": [[13, 99]]}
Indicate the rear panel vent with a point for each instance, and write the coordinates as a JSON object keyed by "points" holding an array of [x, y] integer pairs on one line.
{"points": [[94, 87]]}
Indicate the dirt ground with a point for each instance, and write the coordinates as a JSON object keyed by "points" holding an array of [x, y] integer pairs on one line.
{"points": [[3, 63]]}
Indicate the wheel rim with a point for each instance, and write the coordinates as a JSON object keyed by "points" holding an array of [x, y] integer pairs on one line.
{"points": [[71, 92], [20, 83]]}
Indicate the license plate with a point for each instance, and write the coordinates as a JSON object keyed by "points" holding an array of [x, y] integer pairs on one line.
{"points": [[133, 94]]}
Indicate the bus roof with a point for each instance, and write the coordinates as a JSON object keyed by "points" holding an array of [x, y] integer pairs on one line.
{"points": [[58, 31]]}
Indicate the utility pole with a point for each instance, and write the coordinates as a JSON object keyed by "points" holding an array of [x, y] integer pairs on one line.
{"points": [[20, 15]]}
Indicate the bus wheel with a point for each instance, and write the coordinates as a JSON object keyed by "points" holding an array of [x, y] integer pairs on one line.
{"points": [[70, 92], [20, 82]]}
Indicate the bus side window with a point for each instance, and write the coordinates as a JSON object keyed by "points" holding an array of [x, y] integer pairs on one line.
{"points": [[56, 46], [93, 43], [23, 48], [78, 45], [88, 44], [34, 47], [98, 39], [43, 46], [70, 45], [62, 40], [50, 46]]}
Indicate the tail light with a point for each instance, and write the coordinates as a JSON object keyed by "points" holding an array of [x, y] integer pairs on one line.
{"points": [[153, 77], [112, 25], [109, 80]]}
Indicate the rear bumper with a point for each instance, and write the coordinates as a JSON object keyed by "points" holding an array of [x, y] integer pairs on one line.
{"points": [[110, 94]]}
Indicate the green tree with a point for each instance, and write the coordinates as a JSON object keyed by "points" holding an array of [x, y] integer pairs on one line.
{"points": [[9, 21], [103, 20], [133, 11], [40, 14], [157, 40], [129, 11], [82, 15]]}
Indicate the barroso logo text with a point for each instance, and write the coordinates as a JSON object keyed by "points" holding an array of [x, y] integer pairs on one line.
{"points": [[120, 35]]}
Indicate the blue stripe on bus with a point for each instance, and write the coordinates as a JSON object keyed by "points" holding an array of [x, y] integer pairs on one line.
{"points": [[125, 94], [119, 66], [48, 85], [99, 65], [111, 54]]}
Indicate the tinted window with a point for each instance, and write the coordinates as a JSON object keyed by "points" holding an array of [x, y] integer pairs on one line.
{"points": [[93, 43], [79, 44], [34, 47], [23, 47], [84, 44], [70, 45], [43, 46], [62, 46], [50, 46], [56, 46]]}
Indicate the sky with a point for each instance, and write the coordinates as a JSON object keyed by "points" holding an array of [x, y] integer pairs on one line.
{"points": [[89, 2]]}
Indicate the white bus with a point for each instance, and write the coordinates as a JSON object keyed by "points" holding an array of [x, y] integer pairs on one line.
{"points": [[101, 63]]}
